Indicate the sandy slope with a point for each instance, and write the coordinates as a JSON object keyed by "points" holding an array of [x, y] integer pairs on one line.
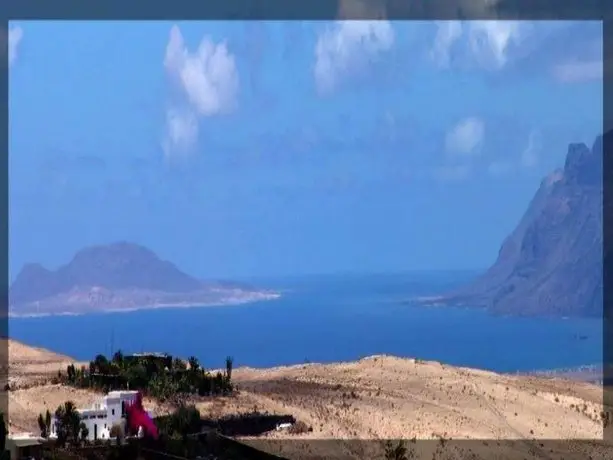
{"points": [[388, 397], [30, 365], [29, 368], [375, 398], [384, 397]]}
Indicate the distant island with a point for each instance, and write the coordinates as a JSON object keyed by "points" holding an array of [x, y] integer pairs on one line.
{"points": [[552, 263], [121, 276]]}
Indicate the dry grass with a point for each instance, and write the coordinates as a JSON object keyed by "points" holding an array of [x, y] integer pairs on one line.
{"points": [[30, 365], [376, 398], [384, 397]]}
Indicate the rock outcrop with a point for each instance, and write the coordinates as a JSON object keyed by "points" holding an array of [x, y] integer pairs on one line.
{"points": [[552, 263]]}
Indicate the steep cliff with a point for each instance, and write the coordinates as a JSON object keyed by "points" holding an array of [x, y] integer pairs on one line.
{"points": [[552, 263]]}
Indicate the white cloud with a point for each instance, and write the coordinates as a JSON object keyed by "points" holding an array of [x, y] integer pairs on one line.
{"points": [[447, 34], [529, 156], [208, 83], [181, 131], [578, 71], [466, 137], [15, 34], [462, 142], [490, 41], [567, 50], [485, 44], [347, 47]]}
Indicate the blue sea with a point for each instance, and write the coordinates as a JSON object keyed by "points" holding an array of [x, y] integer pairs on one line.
{"points": [[326, 319]]}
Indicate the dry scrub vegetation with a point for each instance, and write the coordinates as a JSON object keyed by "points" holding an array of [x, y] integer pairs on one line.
{"points": [[463, 412]]}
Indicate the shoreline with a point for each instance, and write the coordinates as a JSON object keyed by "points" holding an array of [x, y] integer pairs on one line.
{"points": [[261, 297], [589, 373], [585, 373]]}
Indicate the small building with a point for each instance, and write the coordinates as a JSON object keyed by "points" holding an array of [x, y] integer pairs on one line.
{"points": [[100, 418], [24, 446], [163, 359]]}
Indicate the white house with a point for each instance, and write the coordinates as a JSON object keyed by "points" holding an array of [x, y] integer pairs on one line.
{"points": [[24, 446], [103, 415]]}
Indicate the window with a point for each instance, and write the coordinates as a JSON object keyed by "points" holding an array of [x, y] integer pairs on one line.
{"points": [[112, 411]]}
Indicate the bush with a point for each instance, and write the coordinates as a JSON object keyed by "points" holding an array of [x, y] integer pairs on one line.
{"points": [[118, 432], [396, 451], [299, 428], [150, 376]]}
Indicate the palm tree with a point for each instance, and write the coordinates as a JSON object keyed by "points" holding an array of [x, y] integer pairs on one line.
{"points": [[48, 421], [101, 364], [137, 377], [118, 357], [194, 364], [72, 373], [68, 423], [229, 363], [42, 426], [84, 432]]}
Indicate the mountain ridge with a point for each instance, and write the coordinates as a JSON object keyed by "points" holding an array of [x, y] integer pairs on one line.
{"points": [[552, 262], [117, 276]]}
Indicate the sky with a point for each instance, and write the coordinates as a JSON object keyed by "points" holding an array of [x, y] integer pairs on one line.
{"points": [[241, 149]]}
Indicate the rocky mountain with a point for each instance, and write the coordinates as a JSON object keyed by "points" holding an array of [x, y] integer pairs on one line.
{"points": [[117, 276], [552, 263]]}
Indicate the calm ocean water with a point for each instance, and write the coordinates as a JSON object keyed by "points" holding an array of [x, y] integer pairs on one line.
{"points": [[326, 319]]}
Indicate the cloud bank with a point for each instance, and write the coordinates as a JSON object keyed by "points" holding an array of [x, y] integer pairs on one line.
{"points": [[483, 44], [569, 51], [207, 82], [348, 47], [466, 137]]}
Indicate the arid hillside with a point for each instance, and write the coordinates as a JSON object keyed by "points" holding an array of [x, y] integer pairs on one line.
{"points": [[376, 398], [30, 365]]}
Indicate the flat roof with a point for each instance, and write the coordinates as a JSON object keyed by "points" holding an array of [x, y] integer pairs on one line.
{"points": [[25, 441], [154, 354], [118, 393], [92, 411]]}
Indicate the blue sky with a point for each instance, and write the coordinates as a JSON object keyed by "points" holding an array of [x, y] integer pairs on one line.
{"points": [[252, 148]]}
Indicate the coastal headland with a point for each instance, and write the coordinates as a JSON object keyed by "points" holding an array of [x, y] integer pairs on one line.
{"points": [[119, 277]]}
